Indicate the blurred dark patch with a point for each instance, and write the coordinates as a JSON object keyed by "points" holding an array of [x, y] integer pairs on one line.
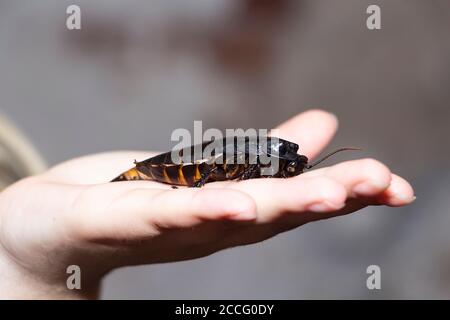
{"points": [[98, 38], [245, 46]]}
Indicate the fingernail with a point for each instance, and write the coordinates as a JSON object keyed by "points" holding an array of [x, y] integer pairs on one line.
{"points": [[404, 198], [369, 187], [324, 206]]}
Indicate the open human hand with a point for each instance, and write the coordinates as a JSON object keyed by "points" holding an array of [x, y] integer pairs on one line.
{"points": [[71, 215]]}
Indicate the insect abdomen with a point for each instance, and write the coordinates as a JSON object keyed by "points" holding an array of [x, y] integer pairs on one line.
{"points": [[176, 174], [128, 175]]}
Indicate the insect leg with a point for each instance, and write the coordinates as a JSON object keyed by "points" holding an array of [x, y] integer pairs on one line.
{"points": [[251, 172], [205, 176]]}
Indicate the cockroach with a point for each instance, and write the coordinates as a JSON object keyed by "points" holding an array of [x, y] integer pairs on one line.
{"points": [[196, 173]]}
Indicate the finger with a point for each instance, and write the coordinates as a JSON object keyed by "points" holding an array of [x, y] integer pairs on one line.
{"points": [[312, 130], [143, 212], [399, 193], [277, 197], [352, 205], [369, 180], [361, 178]]}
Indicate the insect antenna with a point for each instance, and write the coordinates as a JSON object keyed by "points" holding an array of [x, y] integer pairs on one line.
{"points": [[309, 166]]}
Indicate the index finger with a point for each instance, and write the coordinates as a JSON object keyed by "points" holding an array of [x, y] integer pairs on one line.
{"points": [[311, 130]]}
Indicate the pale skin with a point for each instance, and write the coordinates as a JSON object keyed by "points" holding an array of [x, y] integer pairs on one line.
{"points": [[72, 215]]}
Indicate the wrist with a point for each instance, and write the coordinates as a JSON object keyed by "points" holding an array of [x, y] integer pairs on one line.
{"points": [[16, 282]]}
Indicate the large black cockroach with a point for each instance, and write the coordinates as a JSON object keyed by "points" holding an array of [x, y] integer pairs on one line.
{"points": [[244, 162]]}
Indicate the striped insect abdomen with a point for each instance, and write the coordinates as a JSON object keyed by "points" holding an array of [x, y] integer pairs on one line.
{"points": [[177, 174]]}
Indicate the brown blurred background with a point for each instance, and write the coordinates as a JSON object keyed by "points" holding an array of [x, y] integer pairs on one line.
{"points": [[139, 69]]}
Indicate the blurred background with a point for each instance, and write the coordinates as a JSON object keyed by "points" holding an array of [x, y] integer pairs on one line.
{"points": [[140, 69]]}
